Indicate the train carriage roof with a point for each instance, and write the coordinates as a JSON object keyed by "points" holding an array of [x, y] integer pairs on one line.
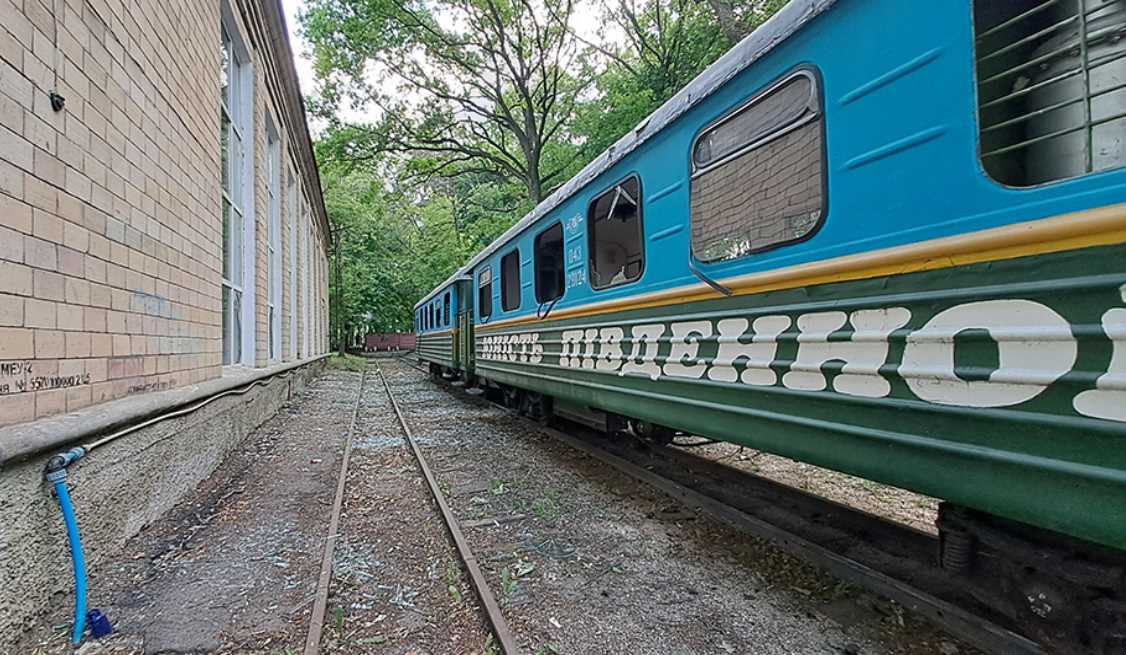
{"points": [[753, 47]]}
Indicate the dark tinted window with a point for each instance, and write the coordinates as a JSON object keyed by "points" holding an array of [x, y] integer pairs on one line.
{"points": [[510, 281], [615, 240], [485, 293], [1050, 88], [549, 264], [446, 307]]}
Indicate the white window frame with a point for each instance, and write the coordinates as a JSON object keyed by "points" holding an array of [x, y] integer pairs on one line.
{"points": [[238, 323], [291, 204], [273, 240], [306, 278]]}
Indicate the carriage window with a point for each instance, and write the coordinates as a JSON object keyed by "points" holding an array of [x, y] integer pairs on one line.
{"points": [[757, 173], [549, 264], [446, 307], [615, 240], [485, 292], [1049, 88], [510, 281]]}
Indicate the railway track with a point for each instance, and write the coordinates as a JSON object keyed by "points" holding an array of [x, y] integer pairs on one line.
{"points": [[501, 633], [889, 559]]}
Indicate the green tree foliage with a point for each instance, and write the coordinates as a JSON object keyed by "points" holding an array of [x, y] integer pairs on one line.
{"points": [[480, 108]]}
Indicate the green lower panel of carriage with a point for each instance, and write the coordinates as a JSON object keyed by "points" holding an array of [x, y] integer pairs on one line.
{"points": [[438, 347], [999, 386]]}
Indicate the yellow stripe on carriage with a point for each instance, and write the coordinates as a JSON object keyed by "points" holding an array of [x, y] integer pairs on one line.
{"points": [[1092, 227]]}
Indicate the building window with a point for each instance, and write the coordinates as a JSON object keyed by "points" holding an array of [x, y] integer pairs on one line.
{"points": [[549, 264], [757, 173], [291, 219], [1050, 88], [273, 240], [232, 147], [615, 243], [485, 292], [510, 281]]}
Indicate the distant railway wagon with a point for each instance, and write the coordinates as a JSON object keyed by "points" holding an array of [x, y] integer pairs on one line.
{"points": [[882, 237], [389, 341]]}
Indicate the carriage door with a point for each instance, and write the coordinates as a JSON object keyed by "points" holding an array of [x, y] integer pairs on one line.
{"points": [[465, 323]]}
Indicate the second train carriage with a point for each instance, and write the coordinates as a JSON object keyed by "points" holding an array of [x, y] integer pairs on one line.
{"points": [[881, 237]]}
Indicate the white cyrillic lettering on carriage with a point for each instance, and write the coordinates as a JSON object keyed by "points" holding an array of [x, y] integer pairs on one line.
{"points": [[643, 354], [685, 346], [569, 348], [590, 339], [609, 349], [1108, 398], [1035, 347], [863, 354], [537, 350], [759, 352]]}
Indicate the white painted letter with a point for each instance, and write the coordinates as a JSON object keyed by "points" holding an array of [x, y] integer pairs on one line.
{"points": [[685, 345], [759, 352], [863, 354], [1034, 348], [644, 336], [1108, 398], [569, 348], [610, 349]]}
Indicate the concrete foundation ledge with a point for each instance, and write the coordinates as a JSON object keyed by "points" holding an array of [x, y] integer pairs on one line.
{"points": [[27, 439], [121, 487]]}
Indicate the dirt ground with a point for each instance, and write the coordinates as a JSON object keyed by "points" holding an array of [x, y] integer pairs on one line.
{"points": [[581, 558], [233, 569], [891, 503]]}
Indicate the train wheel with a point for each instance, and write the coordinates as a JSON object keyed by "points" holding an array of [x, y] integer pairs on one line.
{"points": [[658, 434], [536, 406], [513, 397]]}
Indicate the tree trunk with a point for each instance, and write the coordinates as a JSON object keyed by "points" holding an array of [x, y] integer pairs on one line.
{"points": [[729, 24]]}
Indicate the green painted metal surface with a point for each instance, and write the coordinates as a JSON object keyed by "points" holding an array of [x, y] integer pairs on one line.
{"points": [[999, 386]]}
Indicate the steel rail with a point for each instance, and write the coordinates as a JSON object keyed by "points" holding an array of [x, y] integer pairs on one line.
{"points": [[320, 604], [501, 631], [977, 630]]}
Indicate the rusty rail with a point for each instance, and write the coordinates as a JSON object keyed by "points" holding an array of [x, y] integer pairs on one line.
{"points": [[320, 604], [501, 630]]}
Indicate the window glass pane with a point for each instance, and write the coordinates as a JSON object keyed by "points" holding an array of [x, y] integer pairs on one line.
{"points": [[485, 293], [763, 185], [236, 325], [235, 253], [446, 307], [225, 68], [765, 197], [226, 220], [760, 119], [510, 281], [226, 325], [549, 264], [225, 149], [1051, 98], [615, 240]]}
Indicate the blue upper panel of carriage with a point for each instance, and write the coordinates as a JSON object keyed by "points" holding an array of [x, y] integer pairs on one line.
{"points": [[898, 97]]}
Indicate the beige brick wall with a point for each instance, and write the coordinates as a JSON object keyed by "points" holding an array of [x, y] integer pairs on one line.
{"points": [[110, 227]]}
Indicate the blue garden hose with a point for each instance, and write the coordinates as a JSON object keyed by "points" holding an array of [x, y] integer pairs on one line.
{"points": [[56, 474]]}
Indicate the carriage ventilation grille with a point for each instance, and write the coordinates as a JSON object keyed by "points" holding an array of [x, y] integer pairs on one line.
{"points": [[1051, 79]]}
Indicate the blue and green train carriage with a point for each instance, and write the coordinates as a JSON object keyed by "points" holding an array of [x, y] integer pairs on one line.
{"points": [[882, 237]]}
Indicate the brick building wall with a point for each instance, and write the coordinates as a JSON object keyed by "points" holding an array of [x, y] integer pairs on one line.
{"points": [[111, 224]]}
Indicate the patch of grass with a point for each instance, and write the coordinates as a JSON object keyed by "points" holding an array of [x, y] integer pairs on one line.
{"points": [[497, 487], [546, 507], [491, 646], [548, 649], [338, 617], [347, 362], [507, 586]]}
